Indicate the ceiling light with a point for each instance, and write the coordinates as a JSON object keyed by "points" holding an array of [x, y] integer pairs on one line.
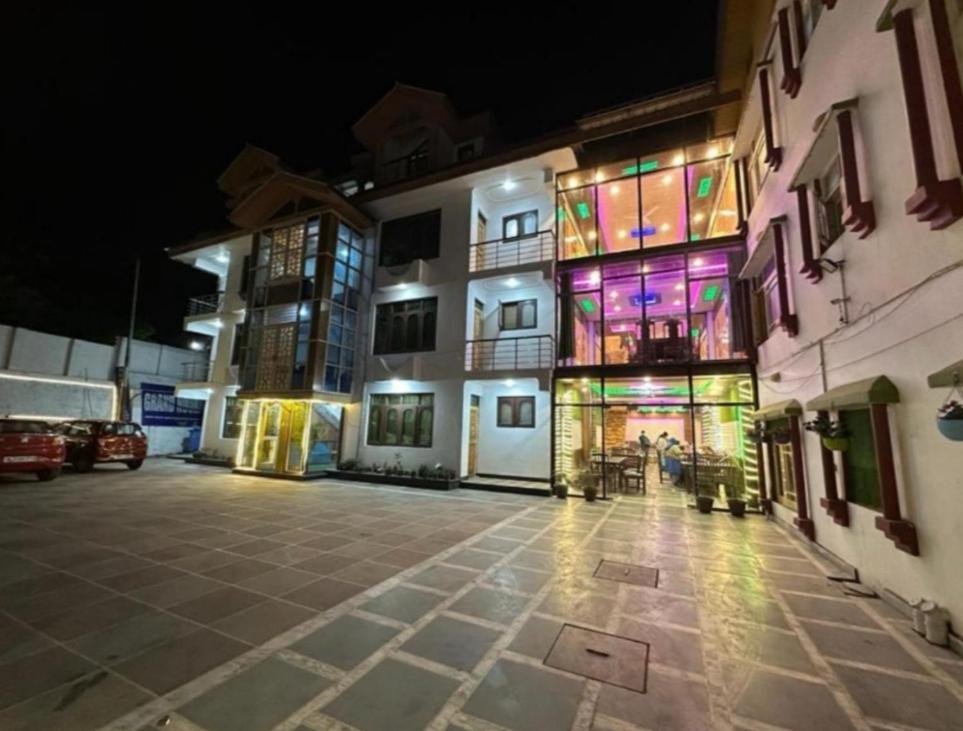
{"points": [[614, 190], [647, 379], [571, 239], [512, 282], [592, 236], [678, 159], [679, 287], [509, 185], [197, 345], [699, 217], [713, 151], [666, 180], [614, 295], [676, 303], [645, 268], [222, 258], [727, 212], [584, 380], [573, 182], [665, 227], [509, 382], [617, 308], [594, 277], [599, 177], [623, 233], [697, 261]]}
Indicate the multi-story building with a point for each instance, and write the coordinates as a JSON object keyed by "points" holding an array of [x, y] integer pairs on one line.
{"points": [[719, 264], [850, 143]]}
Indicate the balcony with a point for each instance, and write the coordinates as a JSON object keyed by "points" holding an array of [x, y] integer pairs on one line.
{"points": [[205, 304], [510, 354], [196, 371], [504, 253]]}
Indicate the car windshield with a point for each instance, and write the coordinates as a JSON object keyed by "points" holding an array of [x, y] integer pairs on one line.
{"points": [[21, 426], [79, 428]]}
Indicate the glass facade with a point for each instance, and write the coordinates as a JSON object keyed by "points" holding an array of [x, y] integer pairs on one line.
{"points": [[673, 197], [289, 437], [676, 308], [598, 421]]}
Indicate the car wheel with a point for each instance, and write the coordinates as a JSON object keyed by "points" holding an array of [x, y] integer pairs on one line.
{"points": [[135, 464], [48, 475], [83, 463]]}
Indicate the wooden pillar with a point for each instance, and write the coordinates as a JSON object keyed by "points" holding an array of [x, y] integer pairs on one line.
{"points": [[773, 153], [764, 500], [788, 321], [938, 202], [859, 216], [803, 522], [891, 523], [837, 509]]}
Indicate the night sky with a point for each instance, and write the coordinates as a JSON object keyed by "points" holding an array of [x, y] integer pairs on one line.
{"points": [[117, 124]]}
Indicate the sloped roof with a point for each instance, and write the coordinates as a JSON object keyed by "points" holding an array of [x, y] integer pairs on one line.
{"points": [[256, 209], [251, 164], [432, 106]]}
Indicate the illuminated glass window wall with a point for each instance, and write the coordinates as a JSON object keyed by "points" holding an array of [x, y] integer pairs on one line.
{"points": [[676, 308], [673, 197], [598, 420]]}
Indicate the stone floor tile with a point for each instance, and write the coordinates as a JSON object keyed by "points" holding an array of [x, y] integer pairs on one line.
{"points": [[345, 642], [367, 573], [902, 700], [831, 610], [176, 591], [393, 696], [168, 666], [215, 605], [27, 676], [490, 604], [873, 648], [239, 571], [324, 564], [779, 700], [452, 642], [84, 705], [514, 578], [443, 578], [79, 621], [257, 699], [523, 698], [130, 637], [674, 648], [473, 559], [323, 593], [579, 606], [765, 646], [263, 621], [402, 557], [278, 581], [668, 704], [536, 637], [403, 603]]}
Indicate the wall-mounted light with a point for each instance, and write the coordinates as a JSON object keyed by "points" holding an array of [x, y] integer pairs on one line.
{"points": [[511, 282], [222, 258], [509, 382], [509, 185]]}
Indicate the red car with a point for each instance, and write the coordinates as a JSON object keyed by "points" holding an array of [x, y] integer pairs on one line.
{"points": [[28, 445], [93, 441]]}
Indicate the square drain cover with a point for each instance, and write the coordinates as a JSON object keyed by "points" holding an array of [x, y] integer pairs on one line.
{"points": [[615, 660], [627, 573]]}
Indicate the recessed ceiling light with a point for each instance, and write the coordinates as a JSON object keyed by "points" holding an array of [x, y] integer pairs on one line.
{"points": [[697, 261], [592, 236], [512, 282], [679, 287], [665, 227], [584, 380], [509, 382], [699, 217], [222, 258], [614, 190], [573, 182], [666, 180], [678, 159], [676, 303], [713, 151], [623, 233], [617, 308], [614, 295], [594, 277], [509, 184], [197, 345], [599, 177]]}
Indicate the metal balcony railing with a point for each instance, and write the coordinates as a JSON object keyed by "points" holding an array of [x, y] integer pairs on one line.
{"points": [[500, 253], [506, 354], [196, 371], [204, 304]]}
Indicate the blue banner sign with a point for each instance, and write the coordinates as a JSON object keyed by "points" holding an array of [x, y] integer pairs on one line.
{"points": [[159, 407]]}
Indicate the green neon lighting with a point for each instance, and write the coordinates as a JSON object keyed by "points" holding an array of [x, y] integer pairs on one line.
{"points": [[695, 237], [588, 305], [710, 294], [561, 213], [655, 392], [631, 170], [705, 185], [583, 210], [648, 166], [694, 332]]}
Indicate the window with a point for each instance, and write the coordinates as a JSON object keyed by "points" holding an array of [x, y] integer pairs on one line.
{"points": [[405, 327], [465, 152], [520, 224], [350, 270], [758, 167], [287, 251], [414, 237], [829, 198], [520, 315], [403, 420], [811, 10], [231, 426], [516, 411], [765, 302], [859, 461]]}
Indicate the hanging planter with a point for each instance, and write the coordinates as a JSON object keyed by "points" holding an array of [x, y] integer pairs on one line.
{"points": [[949, 420], [834, 435], [756, 436], [836, 444], [781, 437]]}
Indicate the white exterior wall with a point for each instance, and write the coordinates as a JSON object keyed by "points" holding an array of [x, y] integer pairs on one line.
{"points": [[901, 326], [511, 451]]}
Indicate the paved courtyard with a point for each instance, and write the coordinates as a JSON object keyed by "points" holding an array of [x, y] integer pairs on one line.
{"points": [[190, 599]]}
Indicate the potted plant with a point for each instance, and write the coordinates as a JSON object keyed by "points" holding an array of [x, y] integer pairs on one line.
{"points": [[560, 486], [756, 435], [588, 484], [737, 505], [704, 502], [833, 433], [949, 420], [781, 436]]}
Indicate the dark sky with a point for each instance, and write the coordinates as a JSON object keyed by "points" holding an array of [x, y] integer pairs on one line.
{"points": [[117, 124]]}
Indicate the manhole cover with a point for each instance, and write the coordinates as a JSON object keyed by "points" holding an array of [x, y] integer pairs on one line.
{"points": [[627, 573], [615, 660]]}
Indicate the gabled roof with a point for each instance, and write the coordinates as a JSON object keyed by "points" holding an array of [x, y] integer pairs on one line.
{"points": [[258, 206], [252, 164], [431, 106]]}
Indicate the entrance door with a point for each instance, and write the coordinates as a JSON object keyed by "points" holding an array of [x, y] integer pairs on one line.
{"points": [[282, 428], [477, 328], [481, 232], [473, 417]]}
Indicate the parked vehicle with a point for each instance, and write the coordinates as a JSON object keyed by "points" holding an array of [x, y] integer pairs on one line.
{"points": [[93, 441], [30, 445]]}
